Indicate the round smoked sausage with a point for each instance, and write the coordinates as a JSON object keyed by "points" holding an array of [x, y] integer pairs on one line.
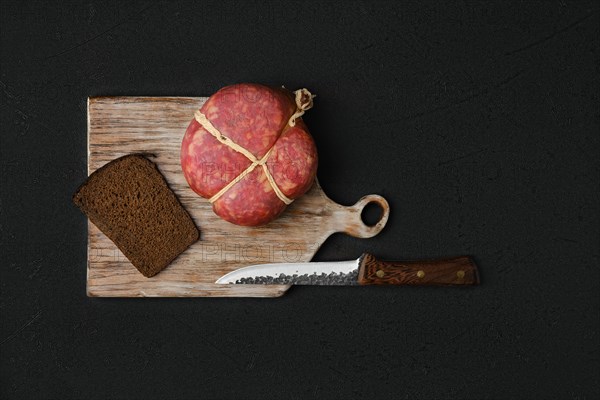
{"points": [[246, 144]]}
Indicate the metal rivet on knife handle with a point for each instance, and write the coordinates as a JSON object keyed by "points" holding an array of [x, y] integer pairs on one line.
{"points": [[420, 274], [380, 273]]}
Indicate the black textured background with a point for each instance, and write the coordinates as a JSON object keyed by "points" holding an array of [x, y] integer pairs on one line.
{"points": [[479, 122]]}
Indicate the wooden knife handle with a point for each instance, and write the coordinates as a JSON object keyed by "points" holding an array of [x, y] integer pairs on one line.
{"points": [[459, 271]]}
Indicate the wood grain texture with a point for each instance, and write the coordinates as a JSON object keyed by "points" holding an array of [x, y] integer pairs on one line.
{"points": [[460, 271], [155, 126]]}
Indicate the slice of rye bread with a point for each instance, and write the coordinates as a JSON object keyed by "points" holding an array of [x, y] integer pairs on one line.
{"points": [[129, 201]]}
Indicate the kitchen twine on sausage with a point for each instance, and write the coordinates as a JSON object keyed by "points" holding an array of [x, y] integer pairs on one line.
{"points": [[304, 102]]}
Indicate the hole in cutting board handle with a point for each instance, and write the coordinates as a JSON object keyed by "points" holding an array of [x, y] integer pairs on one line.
{"points": [[371, 213], [361, 222]]}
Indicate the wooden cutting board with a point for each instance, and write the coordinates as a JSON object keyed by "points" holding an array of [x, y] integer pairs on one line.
{"points": [[155, 125]]}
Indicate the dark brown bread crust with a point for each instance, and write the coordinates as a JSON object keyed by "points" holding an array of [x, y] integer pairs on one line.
{"points": [[129, 200]]}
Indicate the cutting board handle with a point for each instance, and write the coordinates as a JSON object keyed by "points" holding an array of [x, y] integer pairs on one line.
{"points": [[349, 219]]}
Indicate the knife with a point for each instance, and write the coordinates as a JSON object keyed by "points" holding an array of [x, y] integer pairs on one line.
{"points": [[366, 270]]}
